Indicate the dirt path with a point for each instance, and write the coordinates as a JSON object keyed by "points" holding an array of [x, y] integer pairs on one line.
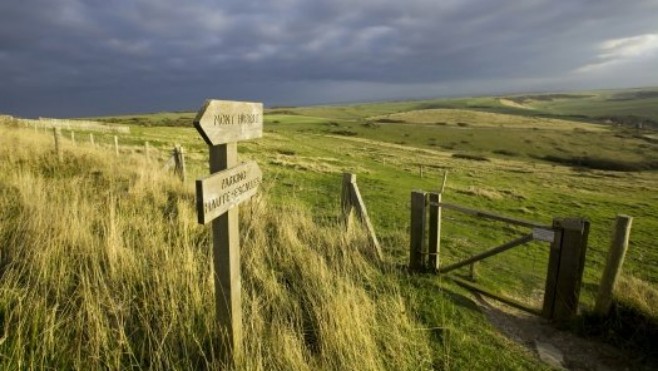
{"points": [[560, 349]]}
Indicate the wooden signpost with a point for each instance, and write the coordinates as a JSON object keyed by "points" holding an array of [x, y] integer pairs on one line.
{"points": [[222, 124]]}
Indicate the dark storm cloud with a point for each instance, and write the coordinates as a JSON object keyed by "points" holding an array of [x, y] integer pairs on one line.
{"points": [[76, 57]]}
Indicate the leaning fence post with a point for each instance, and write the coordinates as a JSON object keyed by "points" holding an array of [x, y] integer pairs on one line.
{"points": [[434, 248], [58, 145], [613, 265], [347, 206], [351, 200], [417, 230], [179, 158]]}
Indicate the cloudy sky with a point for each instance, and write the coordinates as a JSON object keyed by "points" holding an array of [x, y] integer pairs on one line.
{"points": [[64, 58]]}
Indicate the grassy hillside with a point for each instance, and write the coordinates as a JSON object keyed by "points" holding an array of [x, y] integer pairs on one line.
{"points": [[303, 272], [103, 266]]}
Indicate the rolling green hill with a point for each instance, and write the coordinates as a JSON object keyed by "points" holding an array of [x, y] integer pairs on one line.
{"points": [[314, 298]]}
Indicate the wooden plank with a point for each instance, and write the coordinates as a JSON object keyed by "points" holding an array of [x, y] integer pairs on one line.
{"points": [[417, 230], [434, 247], [545, 235], [361, 210], [222, 191], [570, 271], [489, 215], [226, 259], [614, 262], [221, 122], [489, 253], [511, 302]]}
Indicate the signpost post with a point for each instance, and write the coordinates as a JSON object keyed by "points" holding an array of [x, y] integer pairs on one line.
{"points": [[222, 124]]}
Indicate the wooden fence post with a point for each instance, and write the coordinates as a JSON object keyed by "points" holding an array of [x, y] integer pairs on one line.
{"points": [[91, 139], [417, 230], [434, 248], [351, 200], [179, 159], [613, 264], [73, 137], [473, 272], [146, 151], [226, 246], [116, 145], [58, 145], [347, 206], [565, 268]]}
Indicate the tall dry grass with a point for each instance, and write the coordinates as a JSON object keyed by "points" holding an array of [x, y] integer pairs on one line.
{"points": [[102, 266]]}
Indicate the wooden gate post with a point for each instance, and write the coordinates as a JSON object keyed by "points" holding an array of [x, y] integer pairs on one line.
{"points": [[417, 230], [565, 268], [434, 248], [613, 264]]}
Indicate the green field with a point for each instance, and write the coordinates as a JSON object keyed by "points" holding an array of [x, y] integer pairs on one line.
{"points": [[521, 156]]}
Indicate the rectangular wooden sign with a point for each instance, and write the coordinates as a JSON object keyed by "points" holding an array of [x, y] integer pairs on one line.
{"points": [[219, 192], [220, 121]]}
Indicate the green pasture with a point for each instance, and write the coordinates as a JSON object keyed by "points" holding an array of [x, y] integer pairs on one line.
{"points": [[528, 162]]}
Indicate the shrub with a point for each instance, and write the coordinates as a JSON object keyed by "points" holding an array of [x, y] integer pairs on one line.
{"points": [[467, 156], [347, 133]]}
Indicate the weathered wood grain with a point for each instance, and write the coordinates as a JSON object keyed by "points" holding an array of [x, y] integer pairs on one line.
{"points": [[220, 192], [221, 122]]}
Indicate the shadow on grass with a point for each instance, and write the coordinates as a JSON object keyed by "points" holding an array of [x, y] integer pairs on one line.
{"points": [[626, 328]]}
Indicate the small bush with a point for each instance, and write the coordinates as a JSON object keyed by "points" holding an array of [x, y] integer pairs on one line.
{"points": [[390, 121], [603, 163], [505, 152], [347, 133], [286, 152], [466, 156], [463, 124]]}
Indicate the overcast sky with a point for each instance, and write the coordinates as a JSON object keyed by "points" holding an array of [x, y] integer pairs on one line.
{"points": [[64, 58]]}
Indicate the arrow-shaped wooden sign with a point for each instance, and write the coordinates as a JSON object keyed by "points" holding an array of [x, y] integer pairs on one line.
{"points": [[219, 192], [220, 121]]}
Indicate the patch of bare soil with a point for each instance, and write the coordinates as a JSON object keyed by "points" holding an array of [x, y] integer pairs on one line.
{"points": [[559, 349]]}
